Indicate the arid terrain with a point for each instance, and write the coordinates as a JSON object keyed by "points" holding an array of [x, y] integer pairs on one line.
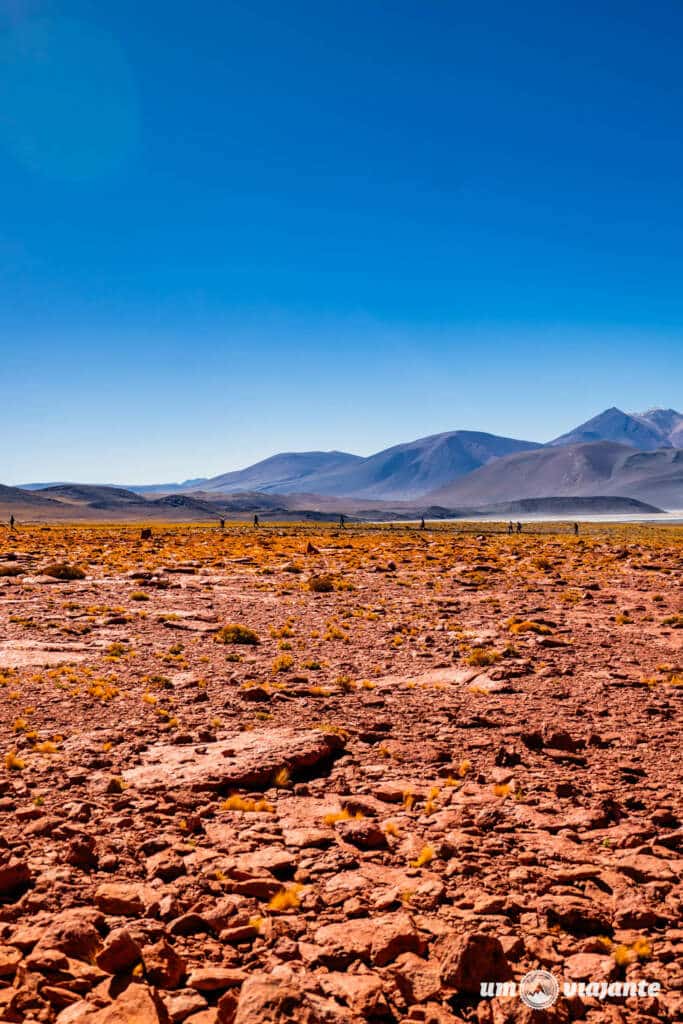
{"points": [[304, 774]]}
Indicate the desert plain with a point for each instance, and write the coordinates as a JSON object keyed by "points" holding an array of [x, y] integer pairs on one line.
{"points": [[323, 776]]}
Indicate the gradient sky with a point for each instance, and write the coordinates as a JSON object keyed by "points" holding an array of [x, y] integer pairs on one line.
{"points": [[229, 229]]}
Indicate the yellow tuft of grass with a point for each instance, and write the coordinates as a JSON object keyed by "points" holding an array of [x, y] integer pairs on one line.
{"points": [[13, 763], [642, 948], [234, 633], [288, 898], [481, 656], [622, 956], [425, 856], [344, 815], [431, 802], [528, 626], [283, 663], [247, 804]]}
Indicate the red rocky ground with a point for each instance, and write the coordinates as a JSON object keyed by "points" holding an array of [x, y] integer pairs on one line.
{"points": [[448, 757]]}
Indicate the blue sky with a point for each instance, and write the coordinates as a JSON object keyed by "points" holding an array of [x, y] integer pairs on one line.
{"points": [[229, 229]]}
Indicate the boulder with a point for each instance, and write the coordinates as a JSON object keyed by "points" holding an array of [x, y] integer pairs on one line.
{"points": [[467, 960], [248, 760]]}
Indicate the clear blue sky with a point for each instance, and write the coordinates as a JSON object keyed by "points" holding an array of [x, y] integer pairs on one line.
{"points": [[229, 229]]}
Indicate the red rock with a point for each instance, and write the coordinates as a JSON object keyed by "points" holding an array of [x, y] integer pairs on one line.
{"points": [[15, 875], [575, 915], [418, 980], [180, 1005], [266, 999], [362, 832], [10, 958], [227, 1007], [120, 952], [74, 933], [378, 940], [164, 968], [306, 837], [25, 936], [468, 959], [281, 863], [165, 865], [58, 997], [215, 979], [240, 933], [190, 924], [125, 899], [642, 868], [137, 1005], [589, 967], [362, 993], [248, 760], [82, 852], [47, 960]]}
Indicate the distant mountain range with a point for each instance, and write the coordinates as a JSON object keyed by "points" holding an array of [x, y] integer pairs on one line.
{"points": [[287, 473], [575, 470], [400, 473], [98, 503], [637, 456], [648, 431]]}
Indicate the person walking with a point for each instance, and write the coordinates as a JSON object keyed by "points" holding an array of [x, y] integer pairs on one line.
{"points": [[256, 522]]}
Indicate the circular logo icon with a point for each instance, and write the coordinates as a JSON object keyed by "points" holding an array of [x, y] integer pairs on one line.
{"points": [[539, 989]]}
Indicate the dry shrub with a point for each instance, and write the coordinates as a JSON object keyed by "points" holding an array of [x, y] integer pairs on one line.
{"points": [[63, 571], [321, 584], [236, 634]]}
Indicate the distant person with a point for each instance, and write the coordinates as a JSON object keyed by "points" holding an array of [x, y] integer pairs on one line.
{"points": [[422, 523], [519, 527], [11, 522], [511, 528], [342, 521], [576, 529], [256, 522], [222, 524]]}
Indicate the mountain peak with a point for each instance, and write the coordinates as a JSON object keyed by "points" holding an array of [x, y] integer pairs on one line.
{"points": [[648, 431]]}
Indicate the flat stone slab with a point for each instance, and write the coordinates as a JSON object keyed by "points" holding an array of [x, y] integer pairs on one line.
{"points": [[191, 625], [24, 653], [248, 760], [179, 614], [436, 676]]}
